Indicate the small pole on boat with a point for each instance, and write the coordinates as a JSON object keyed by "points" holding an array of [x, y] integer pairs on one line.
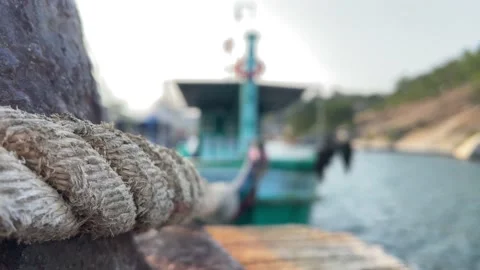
{"points": [[248, 97]]}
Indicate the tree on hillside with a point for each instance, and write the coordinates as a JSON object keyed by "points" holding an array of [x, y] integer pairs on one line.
{"points": [[449, 75], [338, 110]]}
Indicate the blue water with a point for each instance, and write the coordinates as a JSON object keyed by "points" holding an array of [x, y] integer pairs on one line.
{"points": [[424, 210]]}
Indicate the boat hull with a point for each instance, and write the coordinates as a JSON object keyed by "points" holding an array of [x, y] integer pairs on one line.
{"points": [[277, 212], [281, 197], [287, 165], [281, 156]]}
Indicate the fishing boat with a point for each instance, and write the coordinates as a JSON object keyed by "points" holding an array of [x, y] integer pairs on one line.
{"points": [[218, 143], [231, 109]]}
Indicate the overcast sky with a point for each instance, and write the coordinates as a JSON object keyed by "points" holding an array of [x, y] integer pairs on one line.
{"points": [[362, 45]]}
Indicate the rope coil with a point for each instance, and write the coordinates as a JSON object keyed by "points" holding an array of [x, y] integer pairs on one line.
{"points": [[61, 176]]}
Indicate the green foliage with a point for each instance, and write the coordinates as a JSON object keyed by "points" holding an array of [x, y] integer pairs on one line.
{"points": [[451, 74], [340, 108], [338, 111], [394, 135], [476, 89], [302, 116], [331, 113]]}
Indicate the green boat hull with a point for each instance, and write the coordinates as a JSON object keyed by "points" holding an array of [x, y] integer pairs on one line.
{"points": [[289, 165], [271, 213], [282, 197]]}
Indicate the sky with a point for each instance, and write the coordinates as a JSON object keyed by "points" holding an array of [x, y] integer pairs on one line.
{"points": [[364, 46]]}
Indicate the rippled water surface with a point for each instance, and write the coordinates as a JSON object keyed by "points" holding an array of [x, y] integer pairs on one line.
{"points": [[424, 210]]}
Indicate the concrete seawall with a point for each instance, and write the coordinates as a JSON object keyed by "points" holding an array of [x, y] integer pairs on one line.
{"points": [[468, 149]]}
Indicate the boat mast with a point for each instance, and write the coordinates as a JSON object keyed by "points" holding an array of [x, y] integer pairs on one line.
{"points": [[248, 100]]}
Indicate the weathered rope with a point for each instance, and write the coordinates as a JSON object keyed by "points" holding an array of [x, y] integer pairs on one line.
{"points": [[188, 194], [29, 206], [60, 176]]}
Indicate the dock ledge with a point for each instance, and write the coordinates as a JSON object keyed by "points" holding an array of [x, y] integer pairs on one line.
{"points": [[285, 247]]}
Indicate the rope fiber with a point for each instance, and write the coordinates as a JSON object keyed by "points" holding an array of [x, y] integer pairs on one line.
{"points": [[61, 176]]}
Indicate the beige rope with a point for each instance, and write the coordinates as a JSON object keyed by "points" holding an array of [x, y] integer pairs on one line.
{"points": [[187, 193], [78, 177], [148, 183], [30, 207]]}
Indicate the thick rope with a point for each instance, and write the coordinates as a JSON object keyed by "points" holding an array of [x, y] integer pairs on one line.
{"points": [[61, 176], [29, 206], [188, 194], [148, 183]]}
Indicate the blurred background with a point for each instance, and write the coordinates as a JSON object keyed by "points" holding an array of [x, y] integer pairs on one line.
{"points": [[368, 110]]}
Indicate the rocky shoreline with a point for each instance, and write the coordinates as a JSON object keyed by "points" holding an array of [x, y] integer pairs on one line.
{"points": [[465, 151], [445, 125]]}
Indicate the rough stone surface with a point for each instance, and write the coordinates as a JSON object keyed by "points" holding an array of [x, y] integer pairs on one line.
{"points": [[75, 253], [44, 67], [187, 247]]}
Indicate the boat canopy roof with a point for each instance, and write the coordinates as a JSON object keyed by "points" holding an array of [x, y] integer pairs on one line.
{"points": [[218, 94]]}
